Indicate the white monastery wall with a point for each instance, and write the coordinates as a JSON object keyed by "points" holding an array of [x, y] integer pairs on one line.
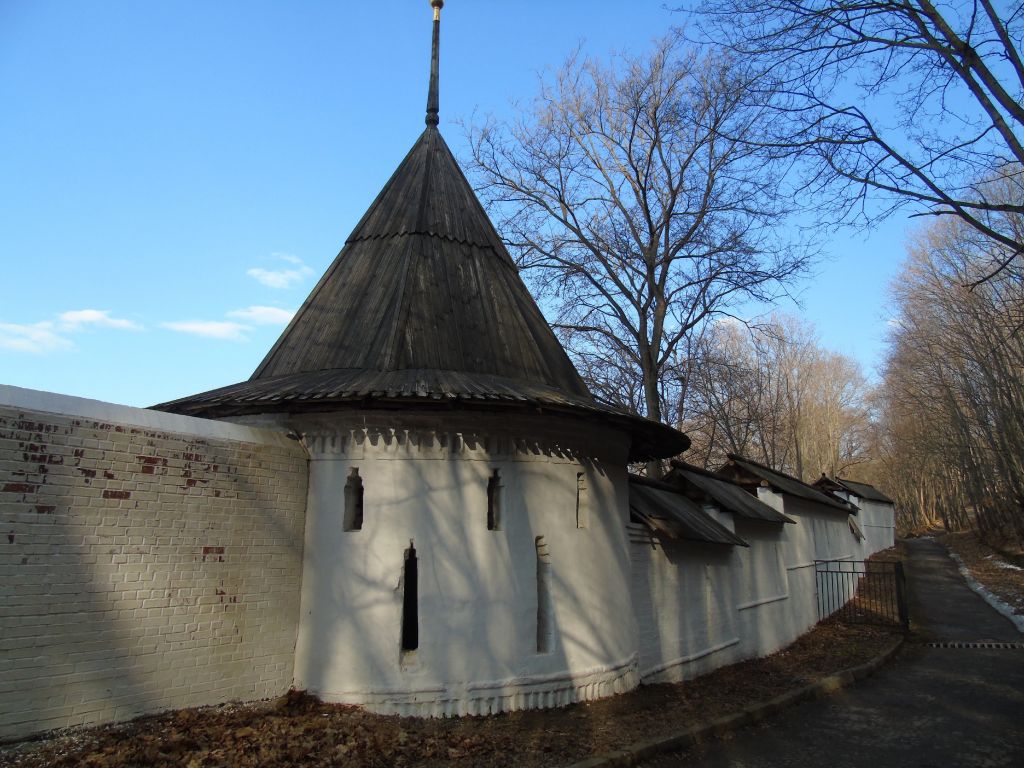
{"points": [[830, 539], [700, 606], [878, 522], [155, 561], [763, 606], [148, 561], [479, 596], [685, 597]]}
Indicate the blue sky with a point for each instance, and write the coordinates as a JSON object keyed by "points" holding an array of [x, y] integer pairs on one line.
{"points": [[175, 176]]}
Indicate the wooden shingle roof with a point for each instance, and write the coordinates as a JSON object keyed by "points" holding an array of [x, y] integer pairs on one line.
{"points": [[424, 283], [739, 467], [423, 304]]}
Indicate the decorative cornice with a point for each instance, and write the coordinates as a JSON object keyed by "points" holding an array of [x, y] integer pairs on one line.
{"points": [[430, 443]]}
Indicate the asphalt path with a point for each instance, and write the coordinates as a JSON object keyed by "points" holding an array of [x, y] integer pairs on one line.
{"points": [[929, 707]]}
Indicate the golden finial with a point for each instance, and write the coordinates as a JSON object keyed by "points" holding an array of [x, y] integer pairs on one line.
{"points": [[437, 5]]}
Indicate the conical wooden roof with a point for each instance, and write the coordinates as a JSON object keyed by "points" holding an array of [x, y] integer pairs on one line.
{"points": [[424, 284], [423, 304]]}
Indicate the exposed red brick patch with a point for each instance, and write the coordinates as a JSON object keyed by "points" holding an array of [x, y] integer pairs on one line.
{"points": [[217, 552], [148, 469], [108, 494], [19, 488], [87, 472], [33, 426], [152, 460], [109, 475], [45, 509]]}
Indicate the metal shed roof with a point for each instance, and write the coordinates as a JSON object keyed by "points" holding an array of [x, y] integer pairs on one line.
{"points": [[864, 491], [666, 511], [783, 483], [727, 494]]}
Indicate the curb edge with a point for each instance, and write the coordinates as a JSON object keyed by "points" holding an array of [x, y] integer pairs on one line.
{"points": [[714, 729]]}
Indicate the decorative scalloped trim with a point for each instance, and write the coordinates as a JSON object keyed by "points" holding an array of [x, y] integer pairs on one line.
{"points": [[495, 697]]}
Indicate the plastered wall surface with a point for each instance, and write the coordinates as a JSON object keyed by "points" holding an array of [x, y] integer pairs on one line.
{"points": [[699, 607], [425, 486], [147, 561], [685, 597], [151, 561], [878, 522]]}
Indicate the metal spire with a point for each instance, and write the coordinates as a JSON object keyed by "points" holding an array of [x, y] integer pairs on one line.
{"points": [[432, 98]]}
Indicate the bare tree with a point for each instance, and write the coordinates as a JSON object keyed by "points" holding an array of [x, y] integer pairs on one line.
{"points": [[773, 394], [634, 216], [954, 384], [920, 102]]}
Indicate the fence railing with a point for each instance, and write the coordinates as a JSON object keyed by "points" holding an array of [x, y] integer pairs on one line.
{"points": [[862, 592]]}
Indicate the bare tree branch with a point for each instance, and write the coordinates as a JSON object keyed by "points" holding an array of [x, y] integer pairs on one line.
{"points": [[639, 207], [905, 104]]}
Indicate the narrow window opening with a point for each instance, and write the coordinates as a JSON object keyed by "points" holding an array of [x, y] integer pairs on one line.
{"points": [[544, 618], [410, 602], [494, 488], [353, 501], [582, 501]]}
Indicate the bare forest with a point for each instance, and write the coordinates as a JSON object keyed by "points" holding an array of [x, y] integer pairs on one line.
{"points": [[951, 415], [658, 202]]}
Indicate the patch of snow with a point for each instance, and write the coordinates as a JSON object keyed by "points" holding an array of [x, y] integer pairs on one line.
{"points": [[1003, 564], [991, 599]]}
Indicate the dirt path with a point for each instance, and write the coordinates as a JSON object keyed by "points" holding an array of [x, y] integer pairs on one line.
{"points": [[934, 706]]}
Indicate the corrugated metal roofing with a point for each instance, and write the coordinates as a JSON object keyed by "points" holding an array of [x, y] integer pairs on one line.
{"points": [[669, 512], [784, 483], [726, 494], [864, 491]]}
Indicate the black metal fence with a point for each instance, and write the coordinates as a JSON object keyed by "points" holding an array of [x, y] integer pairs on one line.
{"points": [[862, 592]]}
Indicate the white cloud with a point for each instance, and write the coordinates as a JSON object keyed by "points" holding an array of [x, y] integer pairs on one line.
{"points": [[36, 338], [281, 278], [263, 315], [48, 336], [75, 319], [211, 329]]}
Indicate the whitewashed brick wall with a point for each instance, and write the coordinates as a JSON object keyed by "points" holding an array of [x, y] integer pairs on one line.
{"points": [[147, 561], [699, 607]]}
